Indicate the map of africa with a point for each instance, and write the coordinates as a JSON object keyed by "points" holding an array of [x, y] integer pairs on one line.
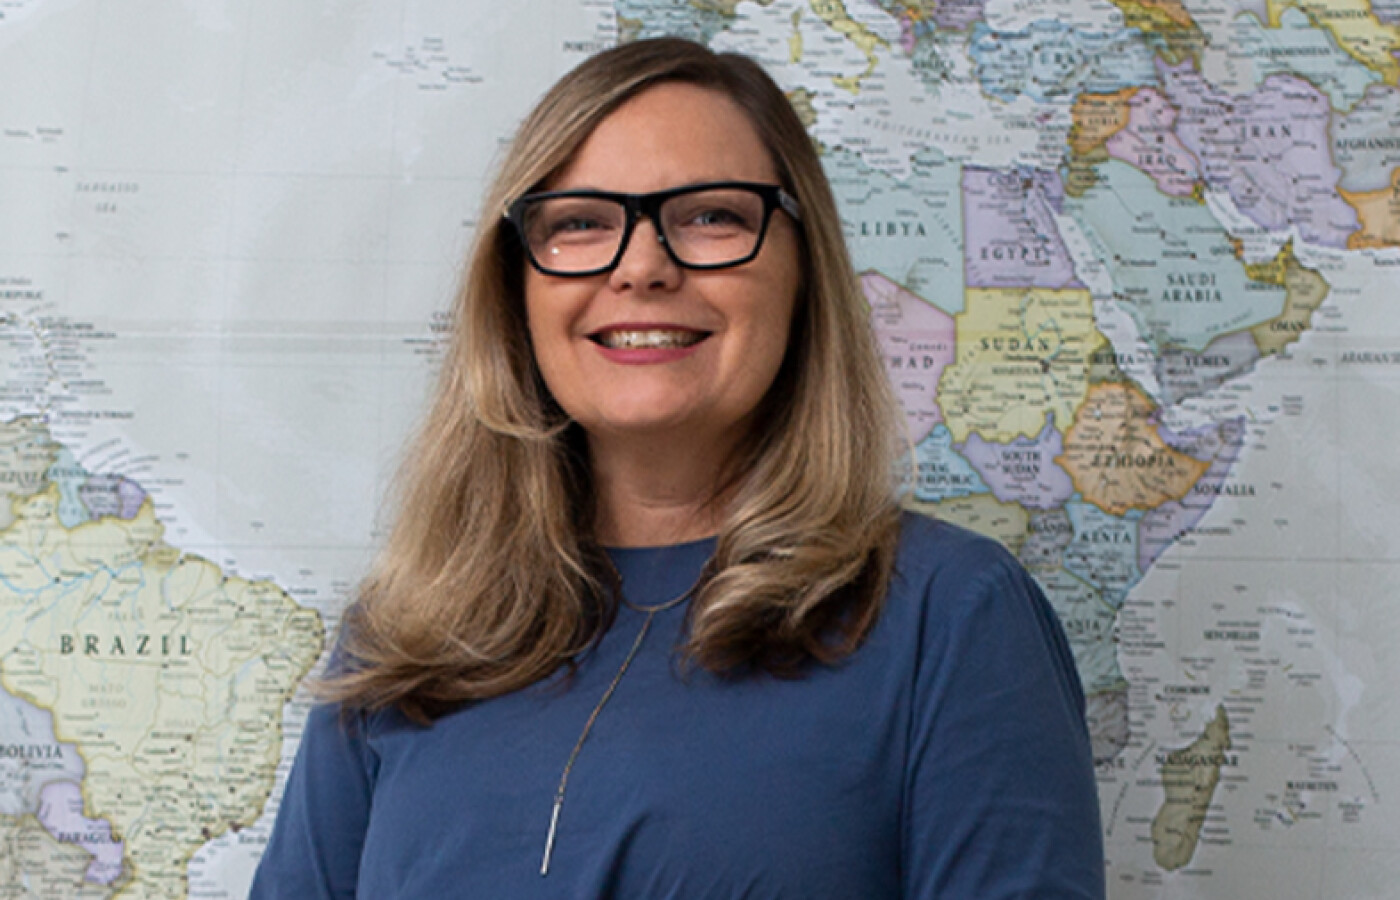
{"points": [[1132, 265]]}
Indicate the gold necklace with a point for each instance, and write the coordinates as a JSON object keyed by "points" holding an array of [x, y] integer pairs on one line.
{"points": [[651, 612]]}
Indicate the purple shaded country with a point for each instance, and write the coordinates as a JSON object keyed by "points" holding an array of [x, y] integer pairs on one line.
{"points": [[1269, 149], [917, 339], [1388, 11], [111, 495], [908, 34], [1010, 232], [1023, 471], [958, 14], [1162, 526], [61, 814], [132, 497], [948, 15], [1148, 143]]}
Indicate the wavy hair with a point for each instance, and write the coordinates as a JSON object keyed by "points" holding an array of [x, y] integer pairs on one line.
{"points": [[491, 577]]}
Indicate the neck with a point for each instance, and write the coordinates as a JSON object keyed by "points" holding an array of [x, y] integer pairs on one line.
{"points": [[656, 491]]}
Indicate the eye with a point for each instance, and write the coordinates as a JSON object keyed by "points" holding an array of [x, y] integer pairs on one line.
{"points": [[574, 220], [575, 224], [716, 217]]}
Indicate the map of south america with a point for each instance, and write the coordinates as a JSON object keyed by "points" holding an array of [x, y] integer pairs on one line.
{"points": [[167, 676]]}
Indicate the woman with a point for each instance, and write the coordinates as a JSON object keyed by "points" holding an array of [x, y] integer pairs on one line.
{"points": [[649, 623]]}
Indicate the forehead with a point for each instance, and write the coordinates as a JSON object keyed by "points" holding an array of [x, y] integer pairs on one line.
{"points": [[667, 136]]}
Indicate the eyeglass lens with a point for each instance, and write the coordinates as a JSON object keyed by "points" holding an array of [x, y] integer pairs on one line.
{"points": [[702, 228]]}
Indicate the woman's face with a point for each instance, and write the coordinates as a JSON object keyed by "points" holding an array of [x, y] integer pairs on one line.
{"points": [[652, 349]]}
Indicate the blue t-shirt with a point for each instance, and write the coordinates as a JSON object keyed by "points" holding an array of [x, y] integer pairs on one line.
{"points": [[947, 758]]}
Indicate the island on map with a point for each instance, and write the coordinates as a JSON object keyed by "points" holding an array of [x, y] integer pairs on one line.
{"points": [[1189, 778]]}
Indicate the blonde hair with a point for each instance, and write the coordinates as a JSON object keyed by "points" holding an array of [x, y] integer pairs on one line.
{"points": [[491, 578]]}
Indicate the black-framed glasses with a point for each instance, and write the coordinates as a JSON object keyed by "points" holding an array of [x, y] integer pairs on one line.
{"points": [[702, 226]]}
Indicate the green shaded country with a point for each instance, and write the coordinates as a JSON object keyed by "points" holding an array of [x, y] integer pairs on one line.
{"points": [[1173, 266], [1089, 624], [1295, 47], [1189, 779], [167, 674], [1104, 551], [911, 230], [34, 866]]}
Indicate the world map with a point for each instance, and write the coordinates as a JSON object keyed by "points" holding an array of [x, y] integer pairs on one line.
{"points": [[1132, 265]]}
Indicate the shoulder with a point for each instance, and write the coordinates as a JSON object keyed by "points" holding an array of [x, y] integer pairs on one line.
{"points": [[967, 601], [936, 558]]}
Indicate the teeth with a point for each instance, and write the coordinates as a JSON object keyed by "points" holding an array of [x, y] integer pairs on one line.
{"points": [[651, 339]]}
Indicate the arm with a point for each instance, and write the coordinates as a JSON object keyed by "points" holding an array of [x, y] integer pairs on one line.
{"points": [[1000, 799], [314, 853]]}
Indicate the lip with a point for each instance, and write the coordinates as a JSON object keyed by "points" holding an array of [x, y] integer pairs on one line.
{"points": [[642, 356]]}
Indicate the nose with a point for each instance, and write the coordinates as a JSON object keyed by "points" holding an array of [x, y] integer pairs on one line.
{"points": [[645, 264]]}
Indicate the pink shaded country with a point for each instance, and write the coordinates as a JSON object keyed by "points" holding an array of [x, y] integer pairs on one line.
{"points": [[1023, 471], [908, 39], [61, 814], [917, 340], [1010, 232], [1148, 143], [1162, 526], [1275, 179]]}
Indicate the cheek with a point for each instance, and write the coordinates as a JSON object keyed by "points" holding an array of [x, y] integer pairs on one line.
{"points": [[548, 319]]}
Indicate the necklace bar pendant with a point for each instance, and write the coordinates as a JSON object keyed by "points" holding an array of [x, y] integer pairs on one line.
{"points": [[549, 840]]}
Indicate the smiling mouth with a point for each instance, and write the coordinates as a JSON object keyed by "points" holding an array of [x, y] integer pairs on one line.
{"points": [[648, 338]]}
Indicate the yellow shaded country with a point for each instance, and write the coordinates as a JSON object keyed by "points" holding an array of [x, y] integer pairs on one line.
{"points": [[1305, 291], [1169, 21], [169, 676], [833, 13], [795, 39], [1189, 779], [1081, 172], [1097, 117], [1379, 212], [801, 100], [1021, 353], [1006, 523], [1155, 15], [1356, 28], [1117, 459]]}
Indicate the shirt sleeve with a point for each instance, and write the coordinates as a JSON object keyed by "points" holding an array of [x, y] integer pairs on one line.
{"points": [[314, 853], [1000, 797]]}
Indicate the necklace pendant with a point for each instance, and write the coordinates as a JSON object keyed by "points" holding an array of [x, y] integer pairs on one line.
{"points": [[549, 841]]}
